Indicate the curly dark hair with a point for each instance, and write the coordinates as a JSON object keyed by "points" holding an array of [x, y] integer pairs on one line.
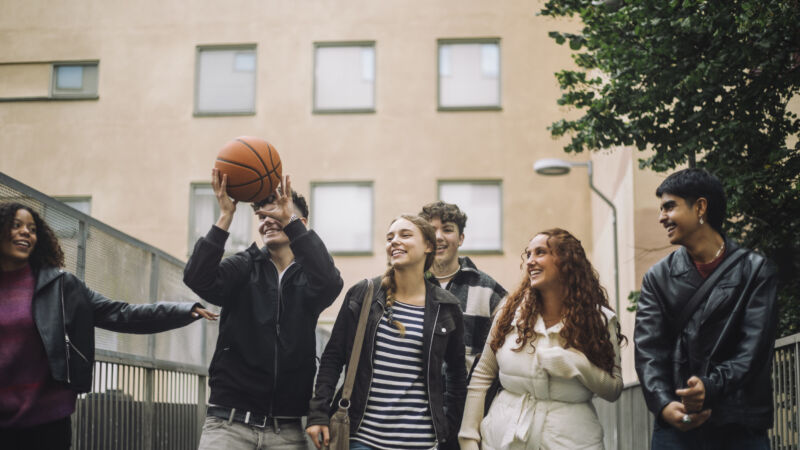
{"points": [[446, 212], [47, 251], [585, 325], [299, 201]]}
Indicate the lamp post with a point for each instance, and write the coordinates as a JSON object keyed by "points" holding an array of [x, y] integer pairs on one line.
{"points": [[557, 167]]}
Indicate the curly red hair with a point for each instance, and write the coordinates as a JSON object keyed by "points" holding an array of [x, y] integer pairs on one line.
{"points": [[585, 325]]}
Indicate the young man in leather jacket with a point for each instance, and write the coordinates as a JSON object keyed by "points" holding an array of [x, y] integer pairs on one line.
{"points": [[262, 372], [708, 383]]}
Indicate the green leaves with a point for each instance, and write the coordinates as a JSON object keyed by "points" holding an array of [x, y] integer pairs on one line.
{"points": [[693, 80]]}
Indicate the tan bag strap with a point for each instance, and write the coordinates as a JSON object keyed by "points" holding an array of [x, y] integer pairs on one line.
{"points": [[358, 342]]}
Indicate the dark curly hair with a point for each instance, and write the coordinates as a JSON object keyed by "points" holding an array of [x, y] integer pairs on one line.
{"points": [[47, 251], [446, 212], [299, 201], [585, 325]]}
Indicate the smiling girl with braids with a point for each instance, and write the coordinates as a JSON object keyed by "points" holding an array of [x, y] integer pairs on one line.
{"points": [[399, 398], [554, 344]]}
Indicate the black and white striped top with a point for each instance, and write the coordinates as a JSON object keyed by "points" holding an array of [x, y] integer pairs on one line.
{"points": [[397, 414]]}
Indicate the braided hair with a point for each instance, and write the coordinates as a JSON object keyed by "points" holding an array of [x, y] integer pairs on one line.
{"points": [[388, 282]]}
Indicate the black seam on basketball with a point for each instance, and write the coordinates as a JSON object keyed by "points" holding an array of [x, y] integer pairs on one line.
{"points": [[239, 165], [255, 153]]}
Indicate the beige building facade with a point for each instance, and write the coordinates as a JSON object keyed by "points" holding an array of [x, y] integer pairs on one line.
{"points": [[376, 108]]}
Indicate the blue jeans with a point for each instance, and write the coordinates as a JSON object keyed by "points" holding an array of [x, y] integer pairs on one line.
{"points": [[355, 445], [709, 437]]}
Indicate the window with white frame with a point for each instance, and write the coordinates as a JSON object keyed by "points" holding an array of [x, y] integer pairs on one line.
{"points": [[344, 77], [74, 80], [482, 201], [341, 214], [226, 80], [469, 74], [204, 211]]}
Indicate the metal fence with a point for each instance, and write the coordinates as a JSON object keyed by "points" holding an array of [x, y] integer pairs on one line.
{"points": [[635, 427], [149, 391]]}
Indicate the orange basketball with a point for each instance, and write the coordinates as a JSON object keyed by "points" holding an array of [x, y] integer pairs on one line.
{"points": [[253, 167]]}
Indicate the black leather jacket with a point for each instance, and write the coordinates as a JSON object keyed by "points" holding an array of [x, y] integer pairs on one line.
{"points": [[443, 341], [728, 342], [265, 358], [66, 311]]}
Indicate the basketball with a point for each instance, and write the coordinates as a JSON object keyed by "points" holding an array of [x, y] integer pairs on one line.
{"points": [[253, 167]]}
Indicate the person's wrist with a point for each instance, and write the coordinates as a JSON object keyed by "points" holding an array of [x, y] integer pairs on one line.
{"points": [[292, 218]]}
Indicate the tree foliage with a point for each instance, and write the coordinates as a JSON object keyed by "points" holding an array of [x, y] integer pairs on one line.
{"points": [[698, 82]]}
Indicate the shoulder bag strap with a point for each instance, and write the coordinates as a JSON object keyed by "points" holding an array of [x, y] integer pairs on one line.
{"points": [[702, 292], [347, 389]]}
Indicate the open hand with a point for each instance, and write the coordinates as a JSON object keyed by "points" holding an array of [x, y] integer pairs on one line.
{"points": [[283, 207], [198, 312], [227, 205]]}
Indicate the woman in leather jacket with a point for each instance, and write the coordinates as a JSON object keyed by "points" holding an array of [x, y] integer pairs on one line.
{"points": [[47, 320], [399, 398]]}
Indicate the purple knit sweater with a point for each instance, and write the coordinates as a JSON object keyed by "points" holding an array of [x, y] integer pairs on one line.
{"points": [[28, 394]]}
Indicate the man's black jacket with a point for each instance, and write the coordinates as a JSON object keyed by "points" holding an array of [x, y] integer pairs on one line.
{"points": [[265, 359], [728, 342], [66, 311], [443, 341]]}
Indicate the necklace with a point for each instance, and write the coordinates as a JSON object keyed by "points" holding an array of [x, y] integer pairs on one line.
{"points": [[447, 276], [716, 255]]}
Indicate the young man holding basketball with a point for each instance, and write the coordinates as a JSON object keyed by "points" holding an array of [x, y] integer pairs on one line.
{"points": [[478, 292], [262, 372]]}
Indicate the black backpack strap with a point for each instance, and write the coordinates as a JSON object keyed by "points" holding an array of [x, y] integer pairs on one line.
{"points": [[702, 292]]}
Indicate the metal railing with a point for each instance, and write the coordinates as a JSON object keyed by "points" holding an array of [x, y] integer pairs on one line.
{"points": [[149, 391], [635, 427]]}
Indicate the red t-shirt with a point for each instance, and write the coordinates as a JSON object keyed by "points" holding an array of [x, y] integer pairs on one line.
{"points": [[28, 393], [706, 269]]}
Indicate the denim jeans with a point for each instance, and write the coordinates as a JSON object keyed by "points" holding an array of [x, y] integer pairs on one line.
{"points": [[709, 437], [355, 445], [223, 434]]}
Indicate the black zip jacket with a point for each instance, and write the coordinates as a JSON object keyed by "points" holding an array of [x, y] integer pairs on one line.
{"points": [[443, 341], [728, 343], [65, 312], [265, 359]]}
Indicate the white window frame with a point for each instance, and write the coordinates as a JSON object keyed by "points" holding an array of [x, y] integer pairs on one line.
{"points": [[244, 215], [237, 68], [82, 92], [467, 248], [373, 75], [367, 249], [443, 70]]}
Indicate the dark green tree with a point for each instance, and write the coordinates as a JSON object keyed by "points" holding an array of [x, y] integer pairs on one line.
{"points": [[701, 83]]}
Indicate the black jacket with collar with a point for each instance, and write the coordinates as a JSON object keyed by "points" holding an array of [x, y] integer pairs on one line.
{"points": [[443, 342], [265, 358], [66, 311], [728, 342]]}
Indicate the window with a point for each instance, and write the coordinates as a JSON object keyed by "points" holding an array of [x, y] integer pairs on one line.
{"points": [[82, 204], [226, 80], [344, 77], [482, 201], [469, 74], [341, 213], [204, 212], [71, 80]]}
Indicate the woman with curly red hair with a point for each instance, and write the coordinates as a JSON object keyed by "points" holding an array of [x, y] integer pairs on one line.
{"points": [[554, 344]]}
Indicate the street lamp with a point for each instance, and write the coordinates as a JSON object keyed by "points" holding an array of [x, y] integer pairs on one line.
{"points": [[557, 167]]}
